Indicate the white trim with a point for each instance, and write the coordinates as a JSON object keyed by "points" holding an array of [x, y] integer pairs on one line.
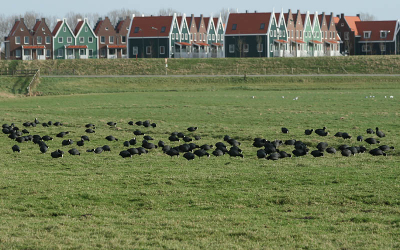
{"points": [[129, 33]]}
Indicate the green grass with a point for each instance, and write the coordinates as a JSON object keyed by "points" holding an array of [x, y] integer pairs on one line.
{"points": [[221, 66], [153, 201]]}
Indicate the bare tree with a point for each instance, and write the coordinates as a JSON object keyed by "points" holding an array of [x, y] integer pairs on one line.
{"points": [[30, 18], [72, 19], [365, 16], [169, 12], [224, 13], [240, 44]]}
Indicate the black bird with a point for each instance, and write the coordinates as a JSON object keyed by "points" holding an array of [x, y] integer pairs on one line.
{"points": [[132, 141], [321, 132], [58, 124], [372, 141], [322, 146], [338, 134], [161, 144], [370, 131], [189, 156], [20, 139], [148, 145], [187, 139], [99, 150], [148, 138], [67, 142], [80, 143], [133, 151], [206, 147], [125, 154], [90, 150], [37, 121], [274, 156], [153, 125], [180, 135], [377, 152], [261, 154], [284, 154], [343, 147], [201, 153], [16, 148], [317, 153], [43, 149], [227, 137], [299, 152], [62, 134], [385, 148], [192, 129], [131, 123], [166, 148], [24, 131], [172, 152], [217, 153], [290, 142], [112, 124], [184, 148], [57, 154], [139, 123], [360, 138], [259, 143], [142, 150], [106, 148], [47, 138], [234, 153], [85, 138], [173, 138], [90, 131], [353, 150], [346, 136], [146, 124], [111, 138], [379, 133], [285, 130], [50, 123], [347, 152], [193, 146], [89, 125], [331, 150], [362, 149], [308, 131], [74, 152], [138, 132], [233, 142], [126, 144], [45, 124]]}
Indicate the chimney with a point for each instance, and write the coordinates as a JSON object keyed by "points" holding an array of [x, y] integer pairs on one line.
{"points": [[121, 18], [192, 15], [359, 16], [16, 20], [323, 13], [338, 16], [342, 16], [79, 20], [22, 19], [255, 11], [37, 20], [331, 14], [100, 18], [246, 11], [43, 19]]}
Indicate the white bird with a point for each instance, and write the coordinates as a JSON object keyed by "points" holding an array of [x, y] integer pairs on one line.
{"points": [[385, 97], [366, 97], [391, 97], [254, 97], [283, 97]]}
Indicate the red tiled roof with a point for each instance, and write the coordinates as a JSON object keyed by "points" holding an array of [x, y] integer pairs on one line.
{"points": [[76, 47], [202, 44], [179, 21], [215, 22], [331, 41], [36, 26], [206, 21], [336, 19], [315, 41], [58, 25], [277, 15], [146, 26], [351, 21], [303, 18], [376, 27], [184, 44], [218, 44], [33, 47], [248, 23], [312, 19], [97, 28], [78, 27], [197, 21], [281, 41], [286, 16], [14, 28], [116, 46], [188, 21], [298, 41]]}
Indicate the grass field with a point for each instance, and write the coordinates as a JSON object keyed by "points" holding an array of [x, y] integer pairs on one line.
{"points": [[154, 201]]}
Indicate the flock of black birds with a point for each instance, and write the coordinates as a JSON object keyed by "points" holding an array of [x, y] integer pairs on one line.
{"points": [[267, 149]]}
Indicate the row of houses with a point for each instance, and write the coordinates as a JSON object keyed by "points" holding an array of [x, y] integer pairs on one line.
{"points": [[243, 35]]}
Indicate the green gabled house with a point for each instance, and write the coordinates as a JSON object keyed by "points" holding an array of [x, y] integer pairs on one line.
{"points": [[63, 37], [153, 36], [220, 32], [183, 47], [281, 43], [250, 35], [307, 33], [315, 46], [216, 47], [86, 42]]}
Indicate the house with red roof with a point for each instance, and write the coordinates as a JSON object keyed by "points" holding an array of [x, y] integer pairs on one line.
{"points": [[250, 35], [183, 48], [377, 37], [106, 34], [215, 31], [122, 29], [281, 44], [330, 36], [86, 46], [19, 38], [153, 36], [42, 41], [295, 27], [347, 31], [315, 45], [63, 41]]}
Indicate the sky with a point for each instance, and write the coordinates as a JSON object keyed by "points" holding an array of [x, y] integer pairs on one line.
{"points": [[385, 10]]}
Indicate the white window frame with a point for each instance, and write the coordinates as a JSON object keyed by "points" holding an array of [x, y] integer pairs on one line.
{"points": [[246, 48], [231, 48], [122, 39], [365, 48], [383, 47], [109, 39], [260, 47], [20, 53], [69, 39], [162, 50], [103, 53], [182, 36], [90, 52], [135, 50], [60, 53], [186, 36], [101, 38], [25, 37], [346, 35], [43, 29], [48, 50], [200, 36], [342, 24], [383, 32], [204, 37], [369, 34], [86, 29], [16, 42], [65, 29], [90, 39], [60, 40], [49, 37], [84, 52], [271, 47], [40, 52], [37, 40], [173, 36], [148, 50], [81, 39]]}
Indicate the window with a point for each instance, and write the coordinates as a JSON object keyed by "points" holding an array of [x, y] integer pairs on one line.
{"points": [[334, 34], [60, 40], [102, 39], [173, 36], [200, 37], [204, 36], [213, 37], [271, 33], [90, 39], [342, 24], [260, 47], [26, 40], [283, 33], [90, 53], [22, 29], [86, 29], [43, 29], [177, 36], [123, 39], [112, 52], [191, 37], [297, 33], [234, 26], [48, 53], [39, 40], [27, 52], [231, 48], [383, 47], [70, 52], [111, 39], [271, 47], [103, 52], [148, 50], [162, 29], [69, 39], [246, 48], [326, 34], [367, 34], [186, 36], [366, 48], [262, 26], [65, 29], [106, 28], [82, 52], [383, 34], [48, 39], [60, 53], [292, 34], [346, 35], [135, 50], [40, 52], [182, 36], [18, 40], [300, 34], [123, 52], [136, 29], [18, 53], [81, 39], [162, 50]]}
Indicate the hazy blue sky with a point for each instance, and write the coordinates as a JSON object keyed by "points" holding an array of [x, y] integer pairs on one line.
{"points": [[383, 10]]}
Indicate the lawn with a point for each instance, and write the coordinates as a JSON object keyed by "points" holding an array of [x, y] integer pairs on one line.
{"points": [[155, 201]]}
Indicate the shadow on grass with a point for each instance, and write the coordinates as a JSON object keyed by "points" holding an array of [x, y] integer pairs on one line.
{"points": [[21, 85]]}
